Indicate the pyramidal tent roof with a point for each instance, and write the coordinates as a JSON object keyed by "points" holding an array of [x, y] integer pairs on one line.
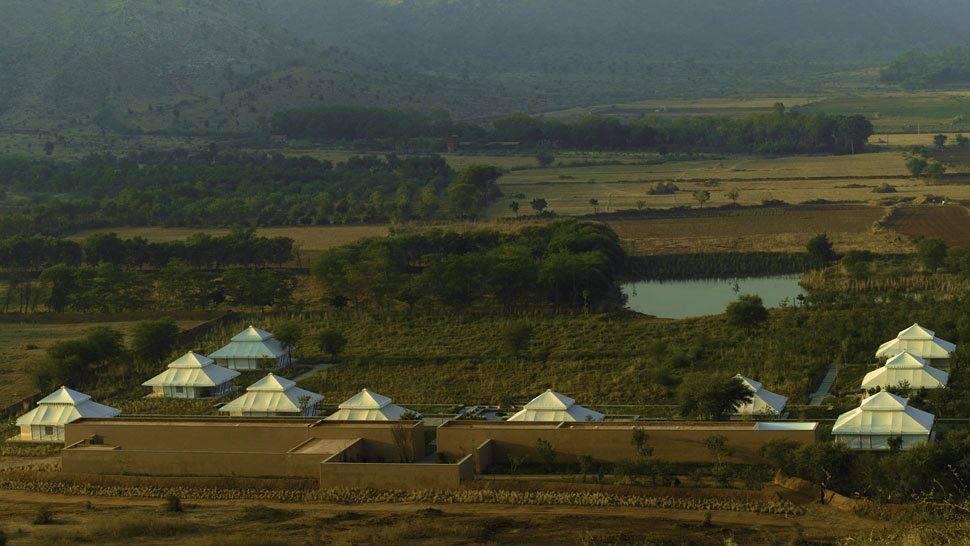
{"points": [[909, 368], [761, 399], [192, 370], [250, 343], [555, 407], [368, 406], [65, 406], [918, 340], [272, 394], [884, 414]]}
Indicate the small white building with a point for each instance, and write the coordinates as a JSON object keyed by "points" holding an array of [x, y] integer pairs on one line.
{"points": [[905, 367], [762, 402], [45, 423], [918, 341], [253, 349], [551, 406], [880, 417], [192, 376], [273, 396], [368, 406]]}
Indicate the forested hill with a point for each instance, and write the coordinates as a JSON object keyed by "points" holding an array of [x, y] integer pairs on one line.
{"points": [[184, 65]]}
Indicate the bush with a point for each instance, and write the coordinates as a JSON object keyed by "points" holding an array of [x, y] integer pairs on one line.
{"points": [[265, 514], [173, 504], [153, 340], [43, 516], [747, 312]]}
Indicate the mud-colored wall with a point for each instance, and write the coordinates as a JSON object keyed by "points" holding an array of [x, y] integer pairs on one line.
{"points": [[609, 442], [188, 463], [396, 475], [483, 456]]}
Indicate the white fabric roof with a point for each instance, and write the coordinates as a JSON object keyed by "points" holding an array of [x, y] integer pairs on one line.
{"points": [[551, 406], [192, 370], [884, 414], [918, 341], [251, 343], [272, 394], [761, 400], [368, 406], [64, 406], [906, 367]]}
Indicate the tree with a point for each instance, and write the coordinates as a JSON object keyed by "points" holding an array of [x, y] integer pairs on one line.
{"points": [[514, 207], [62, 285], [545, 158], [962, 141], [939, 141], [465, 200], [702, 196], [595, 203], [717, 446], [733, 195], [932, 253], [539, 204], [48, 147], [288, 332], [916, 165], [332, 342], [820, 250], [517, 337], [780, 454], [704, 397], [934, 170], [747, 312], [546, 455], [152, 340]]}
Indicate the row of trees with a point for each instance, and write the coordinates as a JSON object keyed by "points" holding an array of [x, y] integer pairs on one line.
{"points": [[918, 69], [568, 263], [108, 288], [240, 246], [780, 132], [225, 189]]}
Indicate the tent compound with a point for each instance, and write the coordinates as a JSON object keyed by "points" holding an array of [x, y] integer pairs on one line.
{"points": [[273, 396], [368, 406], [551, 406], [918, 341], [762, 402], [45, 423], [905, 367], [192, 376], [880, 417], [252, 349]]}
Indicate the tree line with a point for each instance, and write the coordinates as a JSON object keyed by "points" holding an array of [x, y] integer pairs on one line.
{"points": [[239, 247], [780, 132], [567, 263], [214, 188], [918, 69]]}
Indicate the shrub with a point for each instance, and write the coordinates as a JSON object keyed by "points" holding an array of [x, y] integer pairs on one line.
{"points": [[747, 312], [546, 454], [43, 516], [173, 504], [154, 339], [265, 514]]}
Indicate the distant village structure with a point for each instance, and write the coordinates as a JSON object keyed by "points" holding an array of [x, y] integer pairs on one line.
{"points": [[253, 349], [273, 396], [763, 402], [369, 406], [192, 376], [918, 341], [45, 423]]}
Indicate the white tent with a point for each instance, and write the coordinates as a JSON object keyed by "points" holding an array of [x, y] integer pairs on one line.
{"points": [[918, 341], [762, 402], [880, 417], [273, 396], [368, 406], [192, 376], [45, 423], [909, 368], [551, 406], [252, 349]]}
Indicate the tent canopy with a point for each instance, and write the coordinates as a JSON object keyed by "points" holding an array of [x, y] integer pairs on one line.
{"points": [[272, 394], [65, 406], [909, 368], [761, 400], [368, 406], [551, 406], [192, 370], [251, 343], [919, 341], [883, 414]]}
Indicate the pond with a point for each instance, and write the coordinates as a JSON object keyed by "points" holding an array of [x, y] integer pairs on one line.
{"points": [[694, 298]]}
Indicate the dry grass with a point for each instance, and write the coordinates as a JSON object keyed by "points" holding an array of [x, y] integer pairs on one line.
{"points": [[22, 346], [950, 223], [771, 229]]}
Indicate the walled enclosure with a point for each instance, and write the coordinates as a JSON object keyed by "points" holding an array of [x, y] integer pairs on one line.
{"points": [[228, 447], [496, 442]]}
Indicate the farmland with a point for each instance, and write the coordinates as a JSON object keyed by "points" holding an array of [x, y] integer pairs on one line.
{"points": [[950, 223]]}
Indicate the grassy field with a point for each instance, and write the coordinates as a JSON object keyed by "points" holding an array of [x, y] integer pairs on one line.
{"points": [[672, 108], [22, 346], [904, 111], [950, 223], [774, 229]]}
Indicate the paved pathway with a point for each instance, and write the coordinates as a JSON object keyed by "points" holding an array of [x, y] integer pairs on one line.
{"points": [[316, 368], [824, 386]]}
